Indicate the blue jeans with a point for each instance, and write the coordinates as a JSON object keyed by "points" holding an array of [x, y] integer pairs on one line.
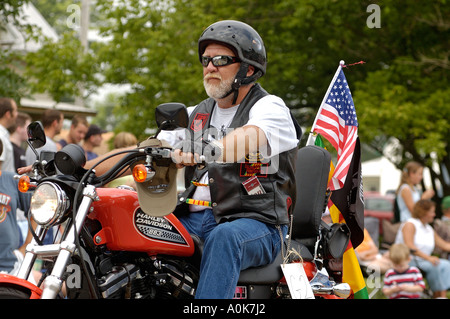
{"points": [[229, 248], [438, 277]]}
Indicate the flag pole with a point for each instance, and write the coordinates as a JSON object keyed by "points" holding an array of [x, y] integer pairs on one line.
{"points": [[311, 137]]}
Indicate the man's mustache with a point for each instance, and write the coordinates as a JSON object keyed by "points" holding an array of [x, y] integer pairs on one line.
{"points": [[212, 76]]}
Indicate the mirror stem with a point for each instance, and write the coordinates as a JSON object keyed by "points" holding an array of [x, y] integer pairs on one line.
{"points": [[35, 152]]}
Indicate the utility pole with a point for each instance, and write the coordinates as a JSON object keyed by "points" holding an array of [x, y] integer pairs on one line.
{"points": [[84, 28], [84, 25]]}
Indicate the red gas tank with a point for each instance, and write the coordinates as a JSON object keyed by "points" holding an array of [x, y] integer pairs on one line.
{"points": [[126, 227]]}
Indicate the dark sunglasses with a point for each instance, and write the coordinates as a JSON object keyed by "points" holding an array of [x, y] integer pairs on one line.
{"points": [[219, 60]]}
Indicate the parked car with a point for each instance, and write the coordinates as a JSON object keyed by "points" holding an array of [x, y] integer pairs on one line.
{"points": [[379, 206]]}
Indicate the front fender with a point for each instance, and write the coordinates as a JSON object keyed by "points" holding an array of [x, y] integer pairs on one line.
{"points": [[12, 283]]}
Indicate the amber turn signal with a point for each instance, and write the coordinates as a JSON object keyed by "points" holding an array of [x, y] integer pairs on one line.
{"points": [[140, 173], [24, 183]]}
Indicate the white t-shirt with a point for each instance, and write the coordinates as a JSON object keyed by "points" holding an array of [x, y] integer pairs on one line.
{"points": [[50, 146], [7, 156], [405, 214], [270, 114], [423, 238]]}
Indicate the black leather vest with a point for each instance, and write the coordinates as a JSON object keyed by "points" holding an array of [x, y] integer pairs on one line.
{"points": [[228, 196]]}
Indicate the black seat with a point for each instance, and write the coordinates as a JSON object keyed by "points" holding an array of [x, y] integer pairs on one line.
{"points": [[312, 169]]}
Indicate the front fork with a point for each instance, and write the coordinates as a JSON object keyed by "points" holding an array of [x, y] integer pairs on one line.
{"points": [[64, 250]]}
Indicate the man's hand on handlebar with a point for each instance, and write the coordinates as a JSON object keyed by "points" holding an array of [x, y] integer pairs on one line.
{"points": [[182, 159]]}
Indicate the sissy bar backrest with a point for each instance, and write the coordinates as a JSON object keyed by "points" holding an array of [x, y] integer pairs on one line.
{"points": [[312, 170]]}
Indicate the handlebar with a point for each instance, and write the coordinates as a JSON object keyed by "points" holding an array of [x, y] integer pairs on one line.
{"points": [[132, 156]]}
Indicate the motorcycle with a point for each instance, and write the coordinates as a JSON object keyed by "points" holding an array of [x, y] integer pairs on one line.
{"points": [[127, 243]]}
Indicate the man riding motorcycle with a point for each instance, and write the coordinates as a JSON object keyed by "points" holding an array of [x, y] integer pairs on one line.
{"points": [[240, 230], [250, 133]]}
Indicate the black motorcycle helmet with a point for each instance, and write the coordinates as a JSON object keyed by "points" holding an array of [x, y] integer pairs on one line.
{"points": [[244, 41]]}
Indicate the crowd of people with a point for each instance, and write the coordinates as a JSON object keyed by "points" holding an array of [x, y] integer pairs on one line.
{"points": [[421, 244], [417, 215]]}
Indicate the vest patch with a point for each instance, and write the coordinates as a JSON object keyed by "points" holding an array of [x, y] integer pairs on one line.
{"points": [[199, 121], [253, 169]]}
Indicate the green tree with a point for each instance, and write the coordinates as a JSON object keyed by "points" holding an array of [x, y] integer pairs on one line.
{"points": [[10, 10], [59, 68], [152, 49], [407, 99], [62, 69], [12, 83]]}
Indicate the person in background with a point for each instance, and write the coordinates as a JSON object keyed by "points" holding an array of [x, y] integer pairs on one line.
{"points": [[11, 199], [402, 281], [122, 140], [52, 121], [408, 192], [8, 116], [92, 139], [77, 131], [18, 136], [421, 239], [369, 255], [442, 225]]}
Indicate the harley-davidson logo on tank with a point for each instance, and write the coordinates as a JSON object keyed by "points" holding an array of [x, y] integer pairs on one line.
{"points": [[157, 228]]}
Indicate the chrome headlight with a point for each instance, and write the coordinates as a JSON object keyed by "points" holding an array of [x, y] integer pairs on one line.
{"points": [[48, 204]]}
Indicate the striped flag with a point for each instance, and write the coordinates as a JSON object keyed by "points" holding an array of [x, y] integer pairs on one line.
{"points": [[350, 198], [336, 121], [346, 205], [351, 270]]}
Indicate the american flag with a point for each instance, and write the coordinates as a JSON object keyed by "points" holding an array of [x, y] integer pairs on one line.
{"points": [[336, 121]]}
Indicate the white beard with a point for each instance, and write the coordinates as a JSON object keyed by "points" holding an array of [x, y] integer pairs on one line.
{"points": [[219, 91]]}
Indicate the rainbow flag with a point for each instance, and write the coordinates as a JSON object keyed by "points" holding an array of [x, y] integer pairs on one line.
{"points": [[351, 272]]}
